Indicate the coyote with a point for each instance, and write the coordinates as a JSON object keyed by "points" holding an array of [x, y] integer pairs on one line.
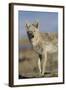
{"points": [[42, 46]]}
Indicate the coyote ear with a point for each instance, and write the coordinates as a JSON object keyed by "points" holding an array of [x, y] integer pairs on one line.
{"points": [[36, 24], [27, 25]]}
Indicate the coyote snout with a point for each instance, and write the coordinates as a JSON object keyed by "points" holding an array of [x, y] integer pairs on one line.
{"points": [[30, 34]]}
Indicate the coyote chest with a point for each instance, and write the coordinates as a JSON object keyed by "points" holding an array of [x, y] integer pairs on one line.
{"points": [[37, 43]]}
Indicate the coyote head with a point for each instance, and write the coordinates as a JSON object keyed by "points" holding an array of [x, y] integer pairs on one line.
{"points": [[32, 29]]}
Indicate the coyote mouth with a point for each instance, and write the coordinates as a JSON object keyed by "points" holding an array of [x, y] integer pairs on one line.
{"points": [[30, 35]]}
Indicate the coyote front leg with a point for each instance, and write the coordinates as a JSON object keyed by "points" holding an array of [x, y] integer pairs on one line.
{"points": [[39, 65], [43, 63]]}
